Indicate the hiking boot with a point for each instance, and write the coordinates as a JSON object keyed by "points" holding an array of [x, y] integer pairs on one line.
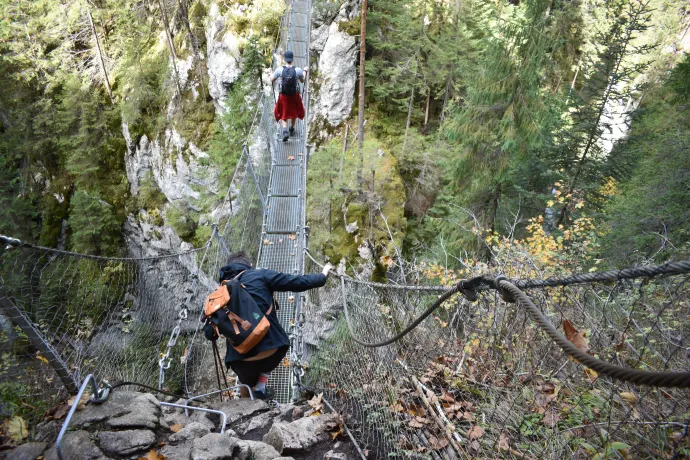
{"points": [[286, 134], [292, 131], [267, 395]]}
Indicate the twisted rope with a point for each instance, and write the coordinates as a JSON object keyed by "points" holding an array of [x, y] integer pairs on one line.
{"points": [[656, 379], [512, 293]]}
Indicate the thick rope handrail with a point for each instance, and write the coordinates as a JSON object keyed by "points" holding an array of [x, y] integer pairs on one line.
{"points": [[485, 282], [511, 293], [16, 243], [657, 379]]}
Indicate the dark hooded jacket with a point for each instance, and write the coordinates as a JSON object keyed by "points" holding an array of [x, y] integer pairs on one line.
{"points": [[261, 284]]}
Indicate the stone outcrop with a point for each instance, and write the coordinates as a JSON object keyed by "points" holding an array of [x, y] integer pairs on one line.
{"points": [[223, 56], [301, 434], [129, 425], [334, 78]]}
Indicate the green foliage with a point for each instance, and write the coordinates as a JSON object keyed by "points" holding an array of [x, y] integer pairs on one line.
{"points": [[150, 196], [144, 99], [333, 203], [649, 217], [94, 226], [181, 219], [230, 133]]}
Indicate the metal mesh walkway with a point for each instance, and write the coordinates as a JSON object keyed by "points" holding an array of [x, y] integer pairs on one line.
{"points": [[283, 231]]}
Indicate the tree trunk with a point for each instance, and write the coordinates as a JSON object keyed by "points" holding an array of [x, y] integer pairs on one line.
{"points": [[360, 128], [171, 46], [426, 112], [342, 155], [409, 119], [185, 19], [100, 57], [195, 46]]}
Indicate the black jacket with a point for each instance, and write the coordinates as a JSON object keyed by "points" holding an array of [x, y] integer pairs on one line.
{"points": [[261, 284]]}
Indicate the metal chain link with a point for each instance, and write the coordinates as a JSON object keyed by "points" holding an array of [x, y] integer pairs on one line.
{"points": [[165, 360]]}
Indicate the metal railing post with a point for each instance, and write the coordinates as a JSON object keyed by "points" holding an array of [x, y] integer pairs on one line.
{"points": [[99, 396]]}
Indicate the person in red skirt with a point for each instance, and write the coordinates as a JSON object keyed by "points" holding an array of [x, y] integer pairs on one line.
{"points": [[289, 106]]}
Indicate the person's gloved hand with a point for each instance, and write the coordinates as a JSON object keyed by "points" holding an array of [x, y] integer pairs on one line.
{"points": [[327, 268]]}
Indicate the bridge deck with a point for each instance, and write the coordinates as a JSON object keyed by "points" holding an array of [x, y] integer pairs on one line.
{"points": [[282, 237]]}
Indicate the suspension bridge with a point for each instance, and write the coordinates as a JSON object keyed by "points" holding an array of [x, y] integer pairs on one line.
{"points": [[417, 371]]}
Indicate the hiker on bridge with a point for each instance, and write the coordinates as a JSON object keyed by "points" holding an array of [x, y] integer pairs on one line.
{"points": [[253, 367], [289, 106]]}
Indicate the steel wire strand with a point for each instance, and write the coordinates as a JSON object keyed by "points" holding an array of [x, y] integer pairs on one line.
{"points": [[445, 296], [15, 243], [659, 379]]}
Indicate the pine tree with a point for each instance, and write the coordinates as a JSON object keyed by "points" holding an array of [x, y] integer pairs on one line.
{"points": [[610, 80]]}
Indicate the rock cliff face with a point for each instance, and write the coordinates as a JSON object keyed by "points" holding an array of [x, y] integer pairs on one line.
{"points": [[131, 425], [180, 169], [223, 56], [334, 77]]}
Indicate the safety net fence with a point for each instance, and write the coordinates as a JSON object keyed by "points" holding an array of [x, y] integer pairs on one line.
{"points": [[123, 319], [483, 379]]}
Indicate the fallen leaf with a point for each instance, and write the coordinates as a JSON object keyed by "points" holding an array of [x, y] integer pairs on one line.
{"points": [[41, 358], [82, 402], [153, 455], [436, 443], [575, 336], [475, 432], [422, 420], [292, 237], [628, 397], [503, 443], [17, 429], [291, 157], [61, 411], [387, 260], [474, 445], [447, 397], [176, 427], [267, 241], [469, 416], [286, 362], [316, 402], [416, 424], [620, 346], [591, 375], [397, 407], [335, 434], [332, 385], [551, 418]]}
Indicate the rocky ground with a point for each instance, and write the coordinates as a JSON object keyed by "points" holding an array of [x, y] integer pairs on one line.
{"points": [[132, 425]]}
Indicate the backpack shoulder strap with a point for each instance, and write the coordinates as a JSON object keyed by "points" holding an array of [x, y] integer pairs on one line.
{"points": [[224, 282]]}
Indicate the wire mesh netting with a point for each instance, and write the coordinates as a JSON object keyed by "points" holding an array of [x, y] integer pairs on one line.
{"points": [[114, 316], [482, 379]]}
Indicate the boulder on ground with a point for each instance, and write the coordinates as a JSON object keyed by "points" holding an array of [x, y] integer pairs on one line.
{"points": [[122, 409], [301, 434], [76, 444], [29, 451], [213, 446], [192, 431], [237, 409], [126, 442]]}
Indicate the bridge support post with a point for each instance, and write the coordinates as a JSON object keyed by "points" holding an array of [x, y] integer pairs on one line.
{"points": [[39, 342]]}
